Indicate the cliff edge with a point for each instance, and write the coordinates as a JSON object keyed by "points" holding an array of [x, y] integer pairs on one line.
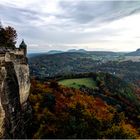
{"points": [[14, 92]]}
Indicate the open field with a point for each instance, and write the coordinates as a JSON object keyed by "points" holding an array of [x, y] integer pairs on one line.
{"points": [[78, 82], [132, 58]]}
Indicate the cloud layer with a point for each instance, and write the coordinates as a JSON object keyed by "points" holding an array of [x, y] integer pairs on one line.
{"points": [[93, 25]]}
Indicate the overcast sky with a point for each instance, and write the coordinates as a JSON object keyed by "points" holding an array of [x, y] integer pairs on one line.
{"points": [[62, 25]]}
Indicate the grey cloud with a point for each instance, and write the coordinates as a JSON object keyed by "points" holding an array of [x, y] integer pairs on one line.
{"points": [[83, 12], [20, 16], [75, 13]]}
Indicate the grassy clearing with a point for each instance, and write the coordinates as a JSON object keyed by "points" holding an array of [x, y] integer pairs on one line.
{"points": [[78, 82]]}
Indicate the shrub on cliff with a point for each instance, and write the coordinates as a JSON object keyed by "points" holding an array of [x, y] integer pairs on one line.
{"points": [[8, 37]]}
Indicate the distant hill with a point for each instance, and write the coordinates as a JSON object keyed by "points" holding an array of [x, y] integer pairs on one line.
{"points": [[81, 50], [97, 53], [68, 62], [59, 51], [34, 54], [135, 53], [74, 50], [54, 51], [51, 65]]}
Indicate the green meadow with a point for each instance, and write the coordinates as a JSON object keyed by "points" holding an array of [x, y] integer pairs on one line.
{"points": [[78, 82]]}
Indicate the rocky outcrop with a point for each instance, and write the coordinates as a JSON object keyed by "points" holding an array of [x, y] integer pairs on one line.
{"points": [[22, 72], [15, 111]]}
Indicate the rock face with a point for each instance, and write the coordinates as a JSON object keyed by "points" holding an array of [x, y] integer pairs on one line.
{"points": [[14, 91], [22, 72]]}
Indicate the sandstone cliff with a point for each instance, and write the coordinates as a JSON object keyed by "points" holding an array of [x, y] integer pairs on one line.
{"points": [[14, 91]]}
